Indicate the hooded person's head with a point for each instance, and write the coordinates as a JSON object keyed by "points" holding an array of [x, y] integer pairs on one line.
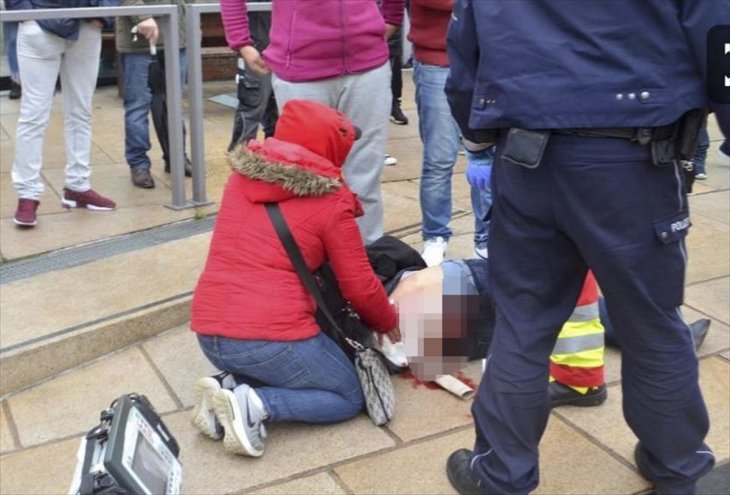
{"points": [[318, 128]]}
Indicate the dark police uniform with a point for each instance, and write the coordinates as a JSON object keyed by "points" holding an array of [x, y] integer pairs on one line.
{"points": [[608, 79]]}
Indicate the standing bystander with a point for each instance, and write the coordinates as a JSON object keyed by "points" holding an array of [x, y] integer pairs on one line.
{"points": [[47, 48], [440, 134], [136, 59], [334, 52]]}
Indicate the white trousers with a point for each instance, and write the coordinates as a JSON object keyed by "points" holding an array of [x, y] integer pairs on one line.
{"points": [[41, 57], [366, 100]]}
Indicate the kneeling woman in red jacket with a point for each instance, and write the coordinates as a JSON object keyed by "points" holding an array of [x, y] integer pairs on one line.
{"points": [[253, 316]]}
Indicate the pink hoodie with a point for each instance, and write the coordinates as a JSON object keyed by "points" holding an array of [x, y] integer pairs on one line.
{"points": [[318, 39]]}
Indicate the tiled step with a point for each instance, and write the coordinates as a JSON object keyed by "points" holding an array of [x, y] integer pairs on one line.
{"points": [[58, 320]]}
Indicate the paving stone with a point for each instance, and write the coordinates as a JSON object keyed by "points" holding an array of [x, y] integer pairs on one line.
{"points": [[318, 484], [711, 298], [409, 211], [606, 425], [290, 449], [180, 360], [708, 245], [7, 444], [80, 226], [131, 287], [445, 411], [70, 404], [726, 355], [409, 153], [563, 448], [417, 468], [715, 205], [42, 470]]}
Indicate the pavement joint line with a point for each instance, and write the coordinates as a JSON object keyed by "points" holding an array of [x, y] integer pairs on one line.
{"points": [[17, 444], [596, 442], [698, 282], [160, 376], [375, 453], [14, 270], [103, 319], [340, 482]]}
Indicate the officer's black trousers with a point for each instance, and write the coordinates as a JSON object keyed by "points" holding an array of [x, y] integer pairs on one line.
{"points": [[598, 203]]}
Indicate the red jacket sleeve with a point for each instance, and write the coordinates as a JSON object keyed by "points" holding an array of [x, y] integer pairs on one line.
{"points": [[447, 5], [235, 23], [357, 281], [393, 11]]}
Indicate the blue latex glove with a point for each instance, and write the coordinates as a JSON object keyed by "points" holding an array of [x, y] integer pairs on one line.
{"points": [[479, 168]]}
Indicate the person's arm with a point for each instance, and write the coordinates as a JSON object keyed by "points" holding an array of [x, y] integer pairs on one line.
{"points": [[697, 18], [393, 15], [234, 14], [358, 283], [146, 25], [462, 45]]}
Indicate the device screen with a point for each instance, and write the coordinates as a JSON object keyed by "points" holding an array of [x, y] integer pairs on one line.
{"points": [[149, 466]]}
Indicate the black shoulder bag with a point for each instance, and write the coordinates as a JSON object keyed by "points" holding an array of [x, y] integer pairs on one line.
{"points": [[370, 365]]}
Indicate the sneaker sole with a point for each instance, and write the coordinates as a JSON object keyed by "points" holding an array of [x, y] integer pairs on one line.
{"points": [[585, 401], [228, 413], [24, 224], [70, 203], [203, 411], [398, 122]]}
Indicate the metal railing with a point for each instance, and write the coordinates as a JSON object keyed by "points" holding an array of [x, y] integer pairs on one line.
{"points": [[195, 85], [169, 23]]}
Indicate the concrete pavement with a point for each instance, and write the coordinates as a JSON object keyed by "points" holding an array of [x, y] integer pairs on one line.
{"points": [[74, 337]]}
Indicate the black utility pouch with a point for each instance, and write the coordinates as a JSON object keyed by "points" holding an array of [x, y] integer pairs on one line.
{"points": [[524, 147]]}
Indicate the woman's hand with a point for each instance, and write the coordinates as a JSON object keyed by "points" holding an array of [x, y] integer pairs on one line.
{"points": [[254, 60], [393, 335], [389, 30]]}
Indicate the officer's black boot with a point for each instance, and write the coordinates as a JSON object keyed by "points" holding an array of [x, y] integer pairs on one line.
{"points": [[458, 470]]}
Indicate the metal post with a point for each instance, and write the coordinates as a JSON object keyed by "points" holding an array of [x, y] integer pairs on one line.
{"points": [[195, 89], [174, 109], [195, 98]]}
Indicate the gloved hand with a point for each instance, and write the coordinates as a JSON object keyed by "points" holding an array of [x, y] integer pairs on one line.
{"points": [[479, 168]]}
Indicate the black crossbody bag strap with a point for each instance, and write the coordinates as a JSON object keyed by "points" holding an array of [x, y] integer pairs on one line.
{"points": [[295, 255]]}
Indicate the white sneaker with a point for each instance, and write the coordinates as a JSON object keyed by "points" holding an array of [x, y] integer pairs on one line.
{"points": [[203, 416], [480, 253], [390, 160], [434, 250], [243, 427], [701, 176]]}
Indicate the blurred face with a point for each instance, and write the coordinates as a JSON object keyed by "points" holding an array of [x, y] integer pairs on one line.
{"points": [[433, 325]]}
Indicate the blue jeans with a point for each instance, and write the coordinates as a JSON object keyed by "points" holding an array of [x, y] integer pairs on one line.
{"points": [[440, 136], [137, 98], [310, 380], [703, 144], [10, 31], [481, 202]]}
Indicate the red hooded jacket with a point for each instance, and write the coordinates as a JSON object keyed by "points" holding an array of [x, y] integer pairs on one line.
{"points": [[249, 288]]}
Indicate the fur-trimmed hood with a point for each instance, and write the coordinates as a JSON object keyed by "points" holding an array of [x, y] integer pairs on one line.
{"points": [[278, 170]]}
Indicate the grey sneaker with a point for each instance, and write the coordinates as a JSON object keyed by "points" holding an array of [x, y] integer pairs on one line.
{"points": [[243, 427], [203, 415]]}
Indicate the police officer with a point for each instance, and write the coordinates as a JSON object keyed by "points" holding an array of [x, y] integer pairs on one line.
{"points": [[591, 106]]}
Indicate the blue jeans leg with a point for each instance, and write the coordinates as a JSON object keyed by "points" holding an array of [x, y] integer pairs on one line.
{"points": [[481, 203], [309, 380], [440, 136], [137, 97], [703, 144]]}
